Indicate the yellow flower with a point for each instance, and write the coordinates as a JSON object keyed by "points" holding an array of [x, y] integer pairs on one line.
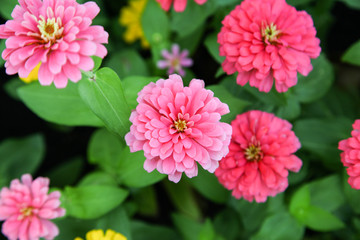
{"points": [[33, 75], [99, 235], [130, 17]]}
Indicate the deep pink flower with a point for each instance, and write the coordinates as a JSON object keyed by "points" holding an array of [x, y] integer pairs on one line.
{"points": [[26, 208], [179, 5], [178, 127], [260, 155], [351, 155], [175, 60], [264, 40], [57, 34]]}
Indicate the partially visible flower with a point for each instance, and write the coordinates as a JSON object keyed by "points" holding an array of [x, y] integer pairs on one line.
{"points": [[267, 40], [175, 60], [350, 157], [130, 17], [178, 127], [27, 207], [57, 34], [99, 235], [179, 5], [33, 75], [261, 154]]}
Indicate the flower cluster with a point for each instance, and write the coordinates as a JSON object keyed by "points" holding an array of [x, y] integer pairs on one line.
{"points": [[178, 127], [27, 207], [267, 40], [260, 156], [350, 157], [56, 34]]}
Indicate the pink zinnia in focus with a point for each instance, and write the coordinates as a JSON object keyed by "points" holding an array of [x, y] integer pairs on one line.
{"points": [[57, 34], [179, 5], [175, 60], [350, 157], [260, 155], [27, 207], [267, 40], [178, 127]]}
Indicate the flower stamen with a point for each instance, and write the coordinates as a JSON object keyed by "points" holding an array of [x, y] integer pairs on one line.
{"points": [[49, 29], [270, 34], [180, 125], [253, 152], [26, 212]]}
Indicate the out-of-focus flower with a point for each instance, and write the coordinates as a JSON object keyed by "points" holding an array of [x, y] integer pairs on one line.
{"points": [[27, 207], [33, 75], [264, 40], [350, 157], [99, 235], [179, 5], [260, 155], [57, 34], [130, 17], [178, 127], [175, 60]]}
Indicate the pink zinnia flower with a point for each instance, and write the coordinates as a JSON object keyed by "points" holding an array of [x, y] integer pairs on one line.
{"points": [[261, 153], [179, 5], [175, 60], [26, 208], [351, 155], [178, 126], [264, 40], [57, 34]]}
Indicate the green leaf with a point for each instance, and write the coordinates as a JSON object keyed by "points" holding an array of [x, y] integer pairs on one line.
{"points": [[352, 195], [352, 54], [188, 227], [146, 201], [2, 45], [70, 228], [104, 94], [207, 232], [20, 156], [66, 173], [227, 224], [88, 202], [298, 2], [207, 184], [352, 3], [12, 86], [290, 110], [236, 105], [320, 220], [183, 198], [7, 7], [98, 178], [142, 231], [155, 23], [105, 150], [133, 85], [300, 201], [317, 83], [62, 106], [131, 170], [321, 137], [327, 193], [97, 62], [213, 47], [280, 226], [128, 62]]}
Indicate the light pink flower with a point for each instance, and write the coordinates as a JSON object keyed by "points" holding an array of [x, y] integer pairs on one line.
{"points": [[175, 60], [26, 208], [57, 34], [178, 127], [179, 5], [264, 40], [350, 157], [260, 155]]}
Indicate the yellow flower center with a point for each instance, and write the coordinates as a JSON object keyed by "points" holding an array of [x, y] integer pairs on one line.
{"points": [[99, 235], [253, 153], [270, 34], [180, 125], [25, 212], [49, 29], [175, 62]]}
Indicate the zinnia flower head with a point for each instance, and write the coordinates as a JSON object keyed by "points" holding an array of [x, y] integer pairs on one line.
{"points": [[260, 155], [350, 157], [33, 75], [57, 34], [178, 127], [130, 17], [27, 207], [175, 60], [179, 5], [99, 235], [267, 40]]}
